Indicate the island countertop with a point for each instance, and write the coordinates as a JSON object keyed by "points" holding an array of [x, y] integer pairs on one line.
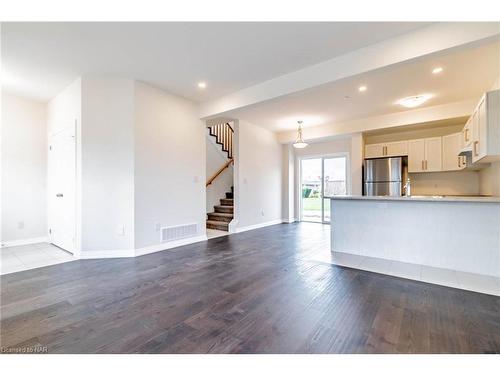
{"points": [[421, 198]]}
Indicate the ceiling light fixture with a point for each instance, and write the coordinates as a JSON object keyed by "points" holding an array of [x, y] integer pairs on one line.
{"points": [[202, 85], [414, 101], [299, 142], [437, 70], [362, 88]]}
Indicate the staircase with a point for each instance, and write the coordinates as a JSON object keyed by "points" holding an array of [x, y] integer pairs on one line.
{"points": [[223, 213]]}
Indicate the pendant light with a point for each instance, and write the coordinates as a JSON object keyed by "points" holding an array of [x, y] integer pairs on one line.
{"points": [[299, 142]]}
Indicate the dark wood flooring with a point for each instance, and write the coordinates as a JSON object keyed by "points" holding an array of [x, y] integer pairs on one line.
{"points": [[270, 290]]}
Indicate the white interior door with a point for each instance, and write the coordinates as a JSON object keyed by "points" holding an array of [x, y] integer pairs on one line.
{"points": [[62, 189]]}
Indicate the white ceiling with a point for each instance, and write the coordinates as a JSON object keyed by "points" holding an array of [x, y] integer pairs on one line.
{"points": [[40, 59], [467, 73]]}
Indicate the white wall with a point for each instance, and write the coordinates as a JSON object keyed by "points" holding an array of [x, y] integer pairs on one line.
{"points": [[107, 154], [215, 159], [24, 169], [258, 176], [169, 164]]}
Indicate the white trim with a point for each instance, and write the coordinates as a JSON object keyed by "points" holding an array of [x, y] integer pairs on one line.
{"points": [[130, 253], [169, 245], [27, 241], [289, 220], [101, 254], [257, 226]]}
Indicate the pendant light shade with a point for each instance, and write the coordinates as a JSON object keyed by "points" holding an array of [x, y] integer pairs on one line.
{"points": [[299, 142]]}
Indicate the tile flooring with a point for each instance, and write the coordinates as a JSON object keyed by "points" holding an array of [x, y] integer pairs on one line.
{"points": [[213, 233], [433, 275], [25, 257]]}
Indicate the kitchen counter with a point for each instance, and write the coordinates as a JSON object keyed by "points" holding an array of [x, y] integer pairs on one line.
{"points": [[462, 234], [422, 198]]}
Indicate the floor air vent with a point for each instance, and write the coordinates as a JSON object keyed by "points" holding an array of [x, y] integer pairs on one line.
{"points": [[178, 232]]}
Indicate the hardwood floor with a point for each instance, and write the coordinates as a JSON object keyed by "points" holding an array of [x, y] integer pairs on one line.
{"points": [[270, 290]]}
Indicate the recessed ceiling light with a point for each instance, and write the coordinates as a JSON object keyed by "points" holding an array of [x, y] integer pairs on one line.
{"points": [[437, 70], [202, 85], [362, 88], [414, 101]]}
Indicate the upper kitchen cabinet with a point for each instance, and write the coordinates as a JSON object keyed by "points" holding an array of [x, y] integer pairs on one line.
{"points": [[451, 148], [387, 149], [485, 123], [425, 155]]}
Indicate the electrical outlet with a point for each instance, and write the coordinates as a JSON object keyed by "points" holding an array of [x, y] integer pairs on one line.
{"points": [[157, 227], [121, 231]]}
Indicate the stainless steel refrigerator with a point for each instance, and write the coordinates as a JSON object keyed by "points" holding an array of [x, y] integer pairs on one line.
{"points": [[383, 176]]}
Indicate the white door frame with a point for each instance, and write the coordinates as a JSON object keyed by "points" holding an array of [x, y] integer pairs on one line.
{"points": [[322, 157]]}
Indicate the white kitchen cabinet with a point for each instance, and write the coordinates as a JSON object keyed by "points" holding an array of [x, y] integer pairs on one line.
{"points": [[396, 148], [374, 151], [451, 148], [416, 155], [485, 123], [433, 154], [387, 149], [425, 155]]}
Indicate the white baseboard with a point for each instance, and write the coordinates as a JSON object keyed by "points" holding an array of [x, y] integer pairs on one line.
{"points": [[100, 254], [260, 225], [27, 241], [128, 253], [168, 245], [289, 221]]}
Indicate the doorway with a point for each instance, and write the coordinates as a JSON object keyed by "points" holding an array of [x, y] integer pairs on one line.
{"points": [[62, 189], [320, 178]]}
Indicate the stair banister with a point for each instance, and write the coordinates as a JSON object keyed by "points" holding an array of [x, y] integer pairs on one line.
{"points": [[227, 164]]}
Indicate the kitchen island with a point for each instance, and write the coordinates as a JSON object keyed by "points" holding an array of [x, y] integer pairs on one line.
{"points": [[445, 232]]}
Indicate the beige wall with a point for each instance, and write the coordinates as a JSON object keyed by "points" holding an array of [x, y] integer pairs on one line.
{"points": [[489, 180], [445, 183]]}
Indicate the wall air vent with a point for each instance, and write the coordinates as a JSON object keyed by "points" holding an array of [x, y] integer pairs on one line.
{"points": [[178, 232]]}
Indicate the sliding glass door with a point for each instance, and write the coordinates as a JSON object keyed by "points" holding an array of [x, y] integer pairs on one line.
{"points": [[321, 177]]}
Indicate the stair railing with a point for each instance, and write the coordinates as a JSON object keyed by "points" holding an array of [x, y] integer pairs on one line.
{"points": [[227, 164], [223, 134]]}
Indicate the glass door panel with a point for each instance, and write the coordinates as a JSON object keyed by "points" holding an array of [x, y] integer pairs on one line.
{"points": [[334, 181], [311, 190]]}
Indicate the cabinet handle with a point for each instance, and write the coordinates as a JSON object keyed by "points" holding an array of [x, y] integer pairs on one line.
{"points": [[426, 165], [475, 148], [423, 166], [384, 150], [466, 135]]}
